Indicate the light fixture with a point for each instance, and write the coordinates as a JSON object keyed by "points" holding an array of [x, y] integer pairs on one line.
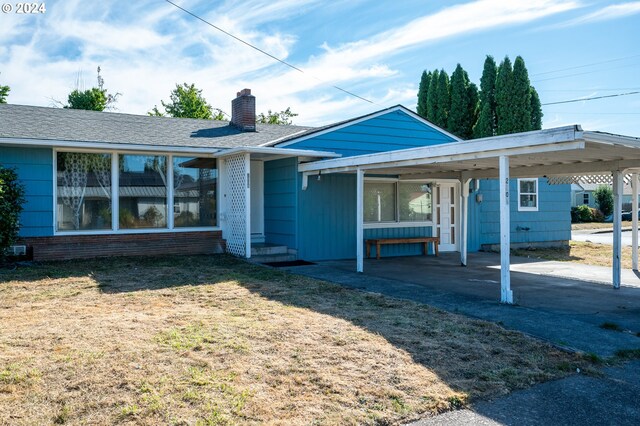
{"points": [[319, 175]]}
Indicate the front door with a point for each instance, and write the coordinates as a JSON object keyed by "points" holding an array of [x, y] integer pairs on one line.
{"points": [[257, 201], [446, 216]]}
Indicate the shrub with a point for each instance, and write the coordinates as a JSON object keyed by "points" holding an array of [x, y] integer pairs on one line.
{"points": [[11, 201], [596, 215], [583, 213], [604, 199]]}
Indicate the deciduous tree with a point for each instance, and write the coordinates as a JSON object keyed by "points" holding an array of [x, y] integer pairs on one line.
{"points": [[186, 101]]}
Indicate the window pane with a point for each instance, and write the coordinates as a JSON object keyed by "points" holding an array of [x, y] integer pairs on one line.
{"points": [[83, 191], [142, 191], [194, 192], [528, 186], [415, 202], [379, 202], [527, 200]]}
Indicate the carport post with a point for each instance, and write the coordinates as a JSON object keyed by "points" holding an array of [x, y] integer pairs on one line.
{"points": [[359, 220], [617, 227], [464, 222], [506, 295], [634, 221]]}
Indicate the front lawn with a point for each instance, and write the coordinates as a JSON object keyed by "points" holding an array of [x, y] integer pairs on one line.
{"points": [[212, 340], [579, 252]]}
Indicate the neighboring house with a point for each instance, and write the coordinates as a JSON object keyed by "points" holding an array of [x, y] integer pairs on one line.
{"points": [[582, 194], [103, 183]]}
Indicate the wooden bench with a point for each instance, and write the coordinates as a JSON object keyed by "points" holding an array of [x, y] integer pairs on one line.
{"points": [[422, 240]]}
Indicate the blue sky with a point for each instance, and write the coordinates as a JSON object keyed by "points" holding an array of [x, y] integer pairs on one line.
{"points": [[376, 49]]}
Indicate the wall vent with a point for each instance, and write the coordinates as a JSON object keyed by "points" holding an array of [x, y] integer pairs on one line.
{"points": [[17, 251]]}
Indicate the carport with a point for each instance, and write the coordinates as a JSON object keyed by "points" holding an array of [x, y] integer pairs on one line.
{"points": [[563, 155]]}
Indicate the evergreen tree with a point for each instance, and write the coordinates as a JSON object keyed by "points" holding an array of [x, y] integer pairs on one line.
{"points": [[432, 97], [485, 126], [463, 104], [504, 95], [536, 110], [444, 100], [521, 97], [423, 92]]}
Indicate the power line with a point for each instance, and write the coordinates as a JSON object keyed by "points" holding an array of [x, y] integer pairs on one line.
{"points": [[586, 65], [593, 98], [283, 62], [590, 90], [583, 73], [593, 113]]}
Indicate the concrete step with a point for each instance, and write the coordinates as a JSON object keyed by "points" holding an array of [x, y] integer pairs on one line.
{"points": [[263, 249], [273, 258]]}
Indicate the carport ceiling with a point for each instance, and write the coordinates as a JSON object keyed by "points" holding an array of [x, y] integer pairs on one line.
{"points": [[555, 152]]}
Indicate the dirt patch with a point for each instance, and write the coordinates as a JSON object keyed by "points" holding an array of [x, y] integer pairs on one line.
{"points": [[579, 252], [213, 340]]}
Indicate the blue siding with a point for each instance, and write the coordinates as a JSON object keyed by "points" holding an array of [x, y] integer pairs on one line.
{"points": [[35, 169], [328, 222], [280, 201], [389, 132], [552, 221]]}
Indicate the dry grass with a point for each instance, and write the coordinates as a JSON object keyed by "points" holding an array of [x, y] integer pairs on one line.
{"points": [[212, 340], [597, 225], [579, 252]]}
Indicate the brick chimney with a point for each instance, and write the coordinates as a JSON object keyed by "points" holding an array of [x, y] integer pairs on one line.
{"points": [[243, 111]]}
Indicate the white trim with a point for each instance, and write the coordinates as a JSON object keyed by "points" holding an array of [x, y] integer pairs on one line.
{"points": [[464, 220], [115, 192], [522, 208], [617, 228], [247, 205], [359, 220], [281, 152], [634, 221], [365, 118], [506, 295], [71, 145], [136, 231], [384, 225], [170, 189]]}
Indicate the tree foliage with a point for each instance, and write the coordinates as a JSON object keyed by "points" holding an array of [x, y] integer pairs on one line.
{"points": [[283, 117], [536, 110], [444, 100], [432, 97], [521, 97], [4, 93], [504, 95], [186, 101], [464, 98], [423, 93], [11, 201], [486, 124], [94, 99], [604, 199]]}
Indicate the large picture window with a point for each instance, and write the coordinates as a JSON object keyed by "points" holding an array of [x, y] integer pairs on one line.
{"points": [[142, 191], [111, 192], [83, 199], [194, 193], [397, 202]]}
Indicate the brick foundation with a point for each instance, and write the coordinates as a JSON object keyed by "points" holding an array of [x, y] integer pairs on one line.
{"points": [[88, 246]]}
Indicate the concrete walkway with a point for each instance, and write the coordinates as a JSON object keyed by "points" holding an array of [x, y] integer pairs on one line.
{"points": [[562, 303]]}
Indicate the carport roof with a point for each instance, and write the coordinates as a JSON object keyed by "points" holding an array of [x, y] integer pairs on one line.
{"points": [[563, 151]]}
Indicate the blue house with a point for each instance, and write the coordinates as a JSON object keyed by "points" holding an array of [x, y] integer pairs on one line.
{"points": [[103, 184]]}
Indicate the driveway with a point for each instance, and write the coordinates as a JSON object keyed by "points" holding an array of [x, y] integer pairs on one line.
{"points": [[600, 237], [552, 303]]}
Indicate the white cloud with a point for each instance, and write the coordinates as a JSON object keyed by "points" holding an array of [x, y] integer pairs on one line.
{"points": [[142, 53], [614, 11]]}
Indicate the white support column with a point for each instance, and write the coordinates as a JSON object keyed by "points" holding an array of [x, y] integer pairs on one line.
{"points": [[359, 220], [115, 197], [617, 228], [634, 219], [464, 222], [506, 295], [247, 203]]}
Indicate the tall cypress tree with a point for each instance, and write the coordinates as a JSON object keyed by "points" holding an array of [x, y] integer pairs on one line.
{"points": [[432, 97], [423, 92], [504, 95], [536, 110], [463, 104], [444, 100], [521, 97], [486, 124]]}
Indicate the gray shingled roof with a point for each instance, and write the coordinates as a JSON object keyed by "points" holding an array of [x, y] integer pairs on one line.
{"points": [[30, 122]]}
